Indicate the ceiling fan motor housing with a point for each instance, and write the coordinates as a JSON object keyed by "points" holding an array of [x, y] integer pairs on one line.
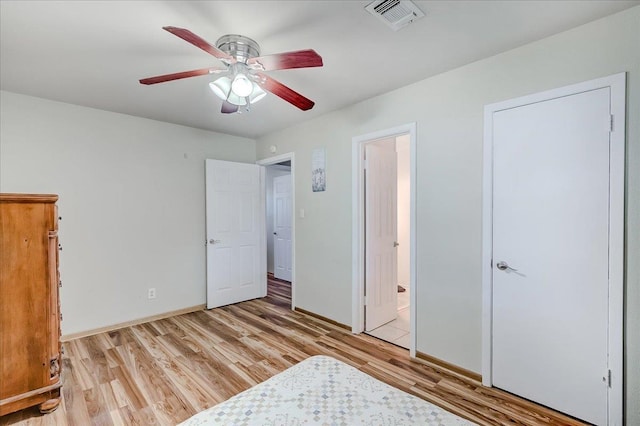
{"points": [[240, 47]]}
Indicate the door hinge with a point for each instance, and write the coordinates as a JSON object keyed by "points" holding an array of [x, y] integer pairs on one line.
{"points": [[611, 122], [366, 300], [609, 378], [365, 164]]}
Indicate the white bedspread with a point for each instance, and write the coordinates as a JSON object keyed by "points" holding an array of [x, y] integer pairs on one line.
{"points": [[324, 391]]}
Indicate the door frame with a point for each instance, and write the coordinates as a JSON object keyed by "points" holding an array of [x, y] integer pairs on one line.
{"points": [[617, 85], [289, 156], [358, 231]]}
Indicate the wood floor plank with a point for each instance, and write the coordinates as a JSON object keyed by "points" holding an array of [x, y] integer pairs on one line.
{"points": [[165, 371], [97, 407], [73, 403], [197, 392], [129, 388], [169, 409]]}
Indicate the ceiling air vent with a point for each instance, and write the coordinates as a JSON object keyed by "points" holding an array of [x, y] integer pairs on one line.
{"points": [[395, 13]]}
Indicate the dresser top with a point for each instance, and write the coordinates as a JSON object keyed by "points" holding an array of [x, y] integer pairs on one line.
{"points": [[28, 198]]}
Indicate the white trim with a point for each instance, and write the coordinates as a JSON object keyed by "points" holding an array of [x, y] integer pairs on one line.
{"points": [[616, 247], [357, 244], [617, 85], [277, 159], [289, 156], [92, 332], [487, 244], [357, 240], [263, 237], [413, 241]]}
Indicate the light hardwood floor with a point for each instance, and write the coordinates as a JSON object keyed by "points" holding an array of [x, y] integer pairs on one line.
{"points": [[165, 371]]}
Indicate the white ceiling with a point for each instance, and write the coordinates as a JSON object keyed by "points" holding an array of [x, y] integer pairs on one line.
{"points": [[93, 53]]}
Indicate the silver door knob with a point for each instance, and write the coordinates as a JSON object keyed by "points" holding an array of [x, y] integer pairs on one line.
{"points": [[212, 241], [504, 266]]}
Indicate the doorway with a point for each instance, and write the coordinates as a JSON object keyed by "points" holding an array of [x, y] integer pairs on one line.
{"points": [[279, 195], [553, 248], [278, 218], [383, 235]]}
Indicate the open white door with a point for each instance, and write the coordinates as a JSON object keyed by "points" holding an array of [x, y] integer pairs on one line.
{"points": [[282, 227], [235, 232], [381, 270]]}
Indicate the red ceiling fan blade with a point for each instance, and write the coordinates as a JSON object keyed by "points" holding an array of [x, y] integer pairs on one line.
{"points": [[228, 107], [179, 75], [282, 61], [197, 41], [279, 89]]}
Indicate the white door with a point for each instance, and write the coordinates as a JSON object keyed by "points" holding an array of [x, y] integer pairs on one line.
{"points": [[381, 261], [282, 227], [551, 224], [235, 231]]}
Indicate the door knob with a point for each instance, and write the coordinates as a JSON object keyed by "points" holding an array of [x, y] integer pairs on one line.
{"points": [[396, 244], [275, 233], [504, 266], [212, 241]]}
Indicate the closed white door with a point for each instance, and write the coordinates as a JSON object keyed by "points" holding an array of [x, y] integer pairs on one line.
{"points": [[381, 261], [235, 230], [282, 227], [550, 252]]}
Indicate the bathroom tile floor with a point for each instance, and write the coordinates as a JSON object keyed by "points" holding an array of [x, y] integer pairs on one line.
{"points": [[396, 331]]}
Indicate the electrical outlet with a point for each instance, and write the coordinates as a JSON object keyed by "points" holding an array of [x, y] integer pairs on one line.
{"points": [[151, 293]]}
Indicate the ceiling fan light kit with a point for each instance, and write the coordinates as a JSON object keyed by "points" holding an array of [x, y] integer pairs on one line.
{"points": [[241, 85], [223, 88], [242, 82]]}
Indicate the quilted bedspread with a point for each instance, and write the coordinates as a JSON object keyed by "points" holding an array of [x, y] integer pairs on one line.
{"points": [[324, 391]]}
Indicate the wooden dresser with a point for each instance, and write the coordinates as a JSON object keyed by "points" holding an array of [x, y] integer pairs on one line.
{"points": [[29, 309]]}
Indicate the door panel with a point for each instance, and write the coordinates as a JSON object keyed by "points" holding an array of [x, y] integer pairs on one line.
{"points": [[381, 262], [282, 227], [235, 228], [550, 223]]}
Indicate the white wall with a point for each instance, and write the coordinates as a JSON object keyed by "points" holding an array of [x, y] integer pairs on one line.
{"points": [[404, 209], [448, 110], [131, 200], [272, 172]]}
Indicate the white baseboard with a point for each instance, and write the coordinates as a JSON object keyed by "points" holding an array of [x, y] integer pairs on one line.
{"points": [[73, 336]]}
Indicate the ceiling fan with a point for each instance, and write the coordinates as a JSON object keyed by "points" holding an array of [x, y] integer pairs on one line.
{"points": [[241, 81]]}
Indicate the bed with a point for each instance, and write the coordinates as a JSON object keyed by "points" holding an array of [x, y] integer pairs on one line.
{"points": [[324, 391]]}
